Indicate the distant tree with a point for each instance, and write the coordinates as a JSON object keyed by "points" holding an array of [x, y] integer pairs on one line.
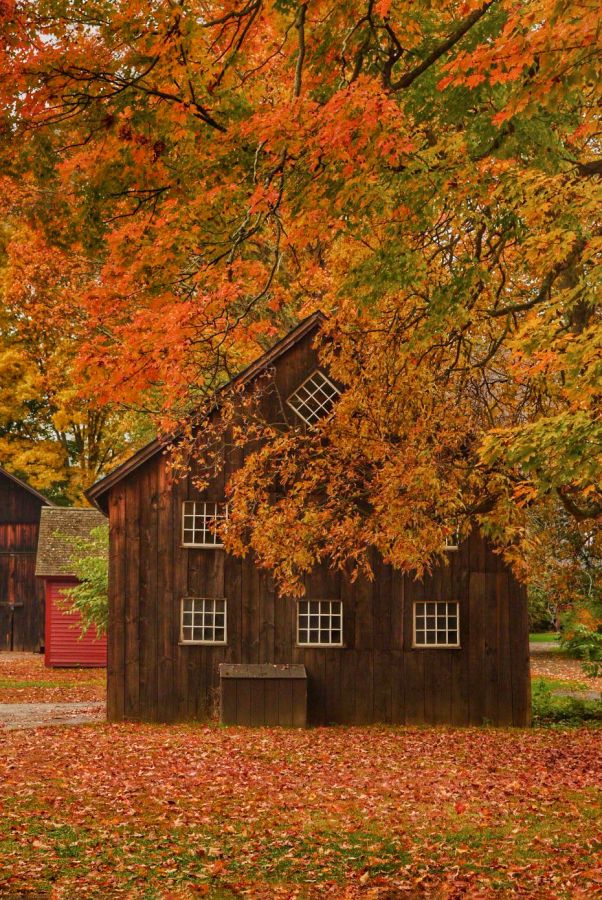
{"points": [[90, 598], [53, 431]]}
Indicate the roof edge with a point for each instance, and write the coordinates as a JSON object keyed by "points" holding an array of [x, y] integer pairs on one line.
{"points": [[27, 487], [100, 487]]}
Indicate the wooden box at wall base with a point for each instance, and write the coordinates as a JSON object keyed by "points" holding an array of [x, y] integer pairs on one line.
{"points": [[263, 694]]}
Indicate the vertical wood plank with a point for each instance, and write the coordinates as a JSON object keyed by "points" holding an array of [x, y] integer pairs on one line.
{"points": [[257, 689], [243, 702], [131, 602], [117, 578], [476, 645], [504, 684], [179, 494], [299, 703], [271, 701], [167, 624], [285, 702], [413, 659], [460, 706], [519, 653], [228, 709], [490, 685]]}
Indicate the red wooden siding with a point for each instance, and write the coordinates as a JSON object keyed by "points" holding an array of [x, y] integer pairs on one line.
{"points": [[64, 647]]}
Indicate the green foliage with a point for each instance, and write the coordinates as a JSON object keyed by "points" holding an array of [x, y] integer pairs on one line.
{"points": [[557, 709], [91, 566], [585, 643]]}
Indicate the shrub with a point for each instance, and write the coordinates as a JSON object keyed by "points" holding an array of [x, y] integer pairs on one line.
{"points": [[557, 709], [91, 566], [585, 643]]}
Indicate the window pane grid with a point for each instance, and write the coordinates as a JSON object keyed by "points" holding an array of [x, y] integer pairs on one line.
{"points": [[436, 624], [203, 620], [200, 523], [314, 399], [320, 622]]}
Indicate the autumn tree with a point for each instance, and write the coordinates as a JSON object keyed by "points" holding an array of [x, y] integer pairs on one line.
{"points": [[50, 433], [427, 174]]}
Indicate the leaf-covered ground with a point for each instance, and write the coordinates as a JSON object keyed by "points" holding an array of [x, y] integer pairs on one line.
{"points": [[143, 811], [25, 679], [556, 666]]}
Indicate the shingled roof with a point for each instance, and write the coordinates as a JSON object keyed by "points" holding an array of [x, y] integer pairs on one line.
{"points": [[58, 527]]}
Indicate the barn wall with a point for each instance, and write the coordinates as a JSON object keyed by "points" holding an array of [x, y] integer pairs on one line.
{"points": [[17, 505], [21, 597], [376, 677]]}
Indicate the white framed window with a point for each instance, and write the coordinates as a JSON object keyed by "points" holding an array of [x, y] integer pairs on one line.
{"points": [[314, 399], [320, 623], [200, 522], [203, 620], [436, 624]]}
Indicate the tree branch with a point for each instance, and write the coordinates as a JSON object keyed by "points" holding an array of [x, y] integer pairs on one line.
{"points": [[300, 26], [411, 76]]}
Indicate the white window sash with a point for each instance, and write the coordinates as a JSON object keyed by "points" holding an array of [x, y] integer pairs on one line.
{"points": [[203, 600], [319, 628], [314, 416], [447, 645], [198, 511]]}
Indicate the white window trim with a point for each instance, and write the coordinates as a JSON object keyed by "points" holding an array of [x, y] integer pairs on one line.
{"points": [[309, 377], [188, 544], [415, 646], [204, 643], [319, 645], [452, 541]]}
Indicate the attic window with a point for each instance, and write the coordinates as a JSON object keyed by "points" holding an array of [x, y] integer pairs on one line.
{"points": [[314, 399], [200, 523], [436, 624], [452, 541], [320, 623]]}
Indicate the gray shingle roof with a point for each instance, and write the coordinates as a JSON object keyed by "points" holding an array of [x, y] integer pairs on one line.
{"points": [[58, 525]]}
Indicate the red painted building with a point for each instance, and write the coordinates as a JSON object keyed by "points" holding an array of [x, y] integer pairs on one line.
{"points": [[65, 645]]}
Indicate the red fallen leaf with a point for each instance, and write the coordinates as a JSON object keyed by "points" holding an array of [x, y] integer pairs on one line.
{"points": [[218, 867], [593, 875], [460, 807]]}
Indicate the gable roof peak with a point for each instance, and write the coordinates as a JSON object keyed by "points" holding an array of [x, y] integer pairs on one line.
{"points": [[26, 487], [309, 323]]}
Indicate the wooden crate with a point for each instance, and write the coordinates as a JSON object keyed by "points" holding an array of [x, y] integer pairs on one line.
{"points": [[263, 694]]}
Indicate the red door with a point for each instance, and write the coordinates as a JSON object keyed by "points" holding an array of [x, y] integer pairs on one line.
{"points": [[65, 645]]}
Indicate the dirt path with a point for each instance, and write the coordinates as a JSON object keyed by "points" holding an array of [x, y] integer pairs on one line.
{"points": [[34, 715]]}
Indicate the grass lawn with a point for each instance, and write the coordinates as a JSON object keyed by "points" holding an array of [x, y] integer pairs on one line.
{"points": [[544, 637], [179, 812]]}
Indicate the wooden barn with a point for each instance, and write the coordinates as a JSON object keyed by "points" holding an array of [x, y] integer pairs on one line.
{"points": [[21, 597], [452, 648], [65, 645]]}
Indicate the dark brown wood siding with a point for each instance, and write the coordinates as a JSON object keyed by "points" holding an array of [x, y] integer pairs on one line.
{"points": [[376, 676], [21, 595]]}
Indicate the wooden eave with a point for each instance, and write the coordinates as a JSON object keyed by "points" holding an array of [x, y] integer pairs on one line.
{"points": [[99, 489], [26, 487]]}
